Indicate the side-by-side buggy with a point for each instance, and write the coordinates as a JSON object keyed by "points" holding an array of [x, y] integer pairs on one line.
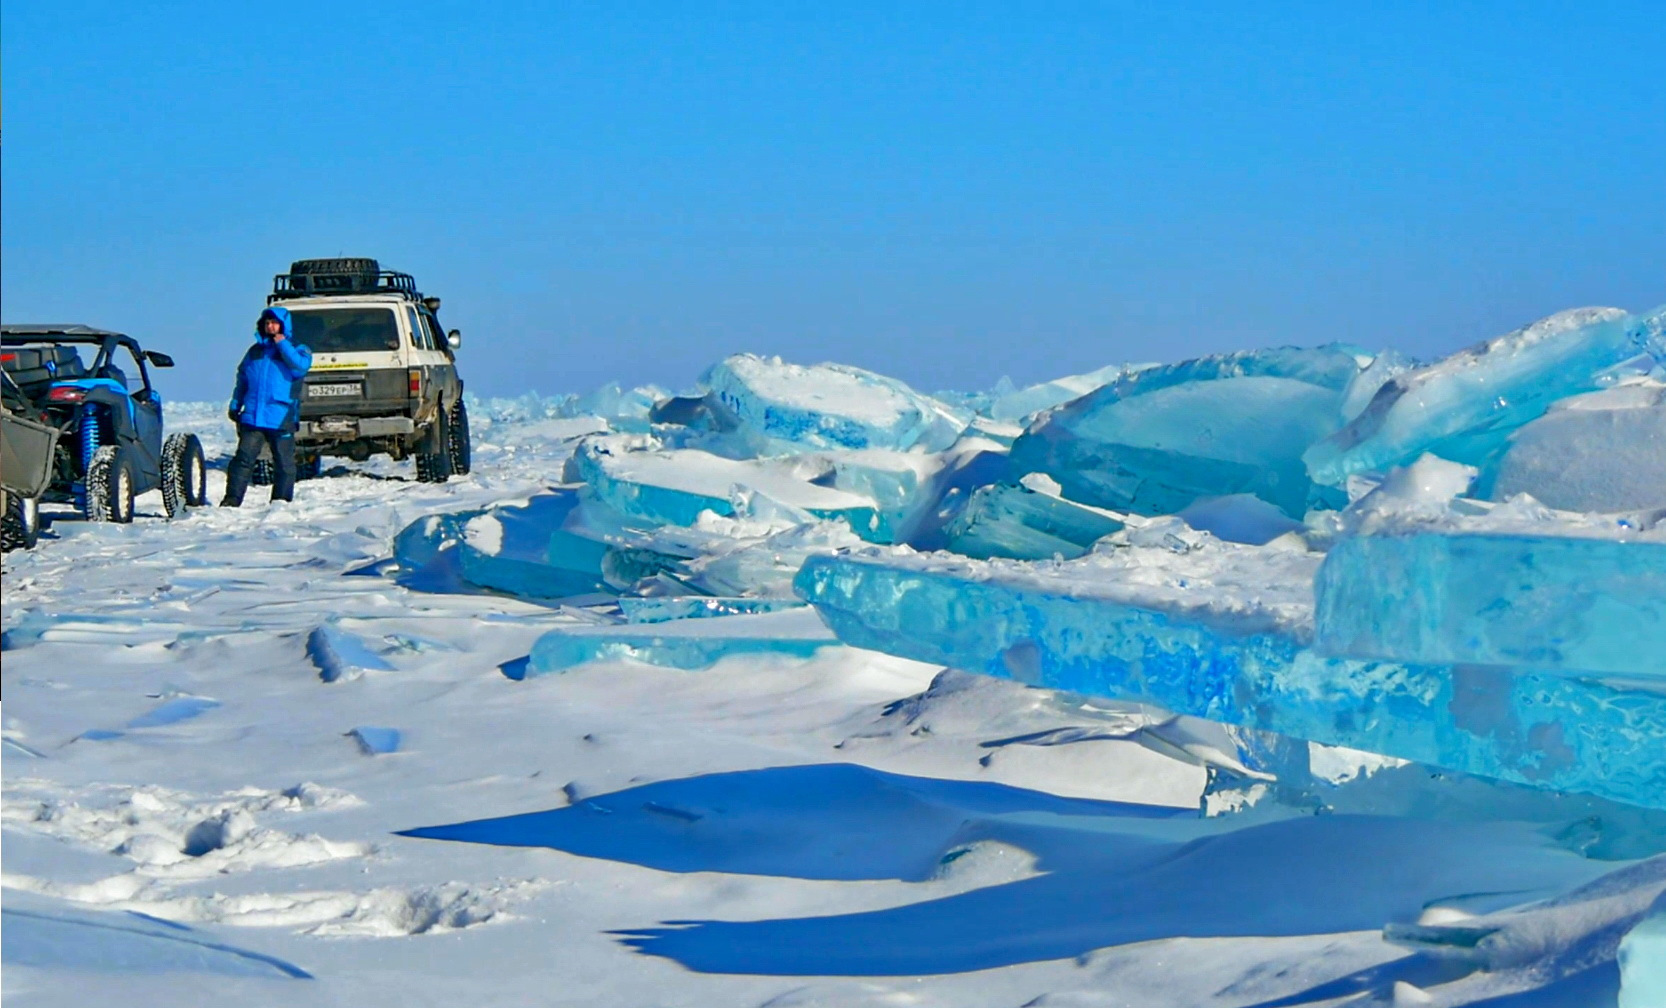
{"points": [[94, 388]]}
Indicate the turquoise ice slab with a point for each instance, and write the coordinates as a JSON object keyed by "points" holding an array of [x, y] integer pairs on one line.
{"points": [[1556, 604], [1465, 406], [1157, 440], [682, 644], [1549, 731], [1012, 520]]}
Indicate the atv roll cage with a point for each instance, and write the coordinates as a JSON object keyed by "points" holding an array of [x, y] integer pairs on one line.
{"points": [[14, 336]]}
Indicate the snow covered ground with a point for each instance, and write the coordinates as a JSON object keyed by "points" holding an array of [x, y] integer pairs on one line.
{"points": [[247, 761]]}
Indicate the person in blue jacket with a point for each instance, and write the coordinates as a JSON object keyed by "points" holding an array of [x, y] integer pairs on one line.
{"points": [[266, 406]]}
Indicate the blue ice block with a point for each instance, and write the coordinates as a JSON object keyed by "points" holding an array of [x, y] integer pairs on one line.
{"points": [[1463, 408], [1046, 627], [521, 548], [340, 654], [1157, 440], [181, 708], [788, 407], [375, 741], [674, 487], [1555, 604], [1013, 520], [682, 644]]}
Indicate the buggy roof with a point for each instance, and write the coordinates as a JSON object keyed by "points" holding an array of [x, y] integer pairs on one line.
{"points": [[70, 332], [63, 330]]}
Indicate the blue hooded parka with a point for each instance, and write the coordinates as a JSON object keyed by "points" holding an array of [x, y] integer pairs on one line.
{"points": [[268, 392]]}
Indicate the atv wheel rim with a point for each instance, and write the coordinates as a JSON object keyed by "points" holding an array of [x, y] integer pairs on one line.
{"points": [[123, 504]]}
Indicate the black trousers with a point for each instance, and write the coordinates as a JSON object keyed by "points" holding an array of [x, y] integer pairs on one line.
{"points": [[249, 440]]}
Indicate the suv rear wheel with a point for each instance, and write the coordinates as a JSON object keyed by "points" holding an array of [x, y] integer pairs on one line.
{"points": [[110, 486], [435, 467]]}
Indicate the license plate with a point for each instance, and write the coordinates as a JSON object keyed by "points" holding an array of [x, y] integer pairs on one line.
{"points": [[330, 391]]}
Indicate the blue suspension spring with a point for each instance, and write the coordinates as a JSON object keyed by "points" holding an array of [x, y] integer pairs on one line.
{"points": [[89, 444], [89, 435]]}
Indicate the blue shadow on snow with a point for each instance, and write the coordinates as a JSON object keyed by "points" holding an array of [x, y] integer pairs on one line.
{"points": [[1105, 879]]}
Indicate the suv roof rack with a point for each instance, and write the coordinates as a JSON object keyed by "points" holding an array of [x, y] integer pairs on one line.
{"points": [[288, 286]]}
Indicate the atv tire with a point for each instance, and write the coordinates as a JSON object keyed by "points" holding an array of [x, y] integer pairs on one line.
{"points": [[264, 473], [458, 444], [19, 524], [110, 486], [435, 467], [184, 474]]}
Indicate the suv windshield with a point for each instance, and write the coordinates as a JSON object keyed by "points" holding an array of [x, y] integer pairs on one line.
{"points": [[346, 330]]}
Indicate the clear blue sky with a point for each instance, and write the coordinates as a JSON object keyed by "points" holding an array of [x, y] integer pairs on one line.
{"points": [[942, 192]]}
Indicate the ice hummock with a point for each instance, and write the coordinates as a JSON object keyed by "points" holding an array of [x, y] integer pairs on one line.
{"points": [[1154, 441], [781, 407], [1463, 407], [1220, 631], [1601, 451]]}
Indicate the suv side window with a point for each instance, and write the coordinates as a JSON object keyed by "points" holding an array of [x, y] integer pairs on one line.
{"points": [[436, 335], [419, 334]]}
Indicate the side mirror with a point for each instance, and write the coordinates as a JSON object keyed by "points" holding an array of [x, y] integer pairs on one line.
{"points": [[454, 339], [159, 359]]}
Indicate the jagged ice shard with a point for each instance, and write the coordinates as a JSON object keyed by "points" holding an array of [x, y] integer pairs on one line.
{"points": [[1154, 441], [1463, 408], [1027, 521], [783, 408], [673, 487], [1220, 633]]}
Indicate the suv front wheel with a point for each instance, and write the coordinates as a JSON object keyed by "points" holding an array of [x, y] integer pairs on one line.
{"points": [[458, 444]]}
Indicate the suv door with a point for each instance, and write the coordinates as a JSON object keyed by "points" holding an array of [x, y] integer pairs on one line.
{"points": [[445, 367]]}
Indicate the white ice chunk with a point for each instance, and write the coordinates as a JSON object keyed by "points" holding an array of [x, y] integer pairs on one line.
{"points": [[1603, 451], [789, 407]]}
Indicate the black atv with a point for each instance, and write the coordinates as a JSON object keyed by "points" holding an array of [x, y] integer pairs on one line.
{"points": [[109, 418]]}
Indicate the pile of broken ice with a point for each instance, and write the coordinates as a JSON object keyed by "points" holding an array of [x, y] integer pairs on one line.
{"points": [[1461, 563]]}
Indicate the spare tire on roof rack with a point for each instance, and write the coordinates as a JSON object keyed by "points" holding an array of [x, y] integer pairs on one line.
{"points": [[313, 267]]}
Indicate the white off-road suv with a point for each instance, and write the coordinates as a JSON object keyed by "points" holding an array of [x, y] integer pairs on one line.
{"points": [[384, 374]]}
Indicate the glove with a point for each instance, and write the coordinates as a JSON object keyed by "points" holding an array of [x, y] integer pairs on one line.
{"points": [[232, 414]]}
